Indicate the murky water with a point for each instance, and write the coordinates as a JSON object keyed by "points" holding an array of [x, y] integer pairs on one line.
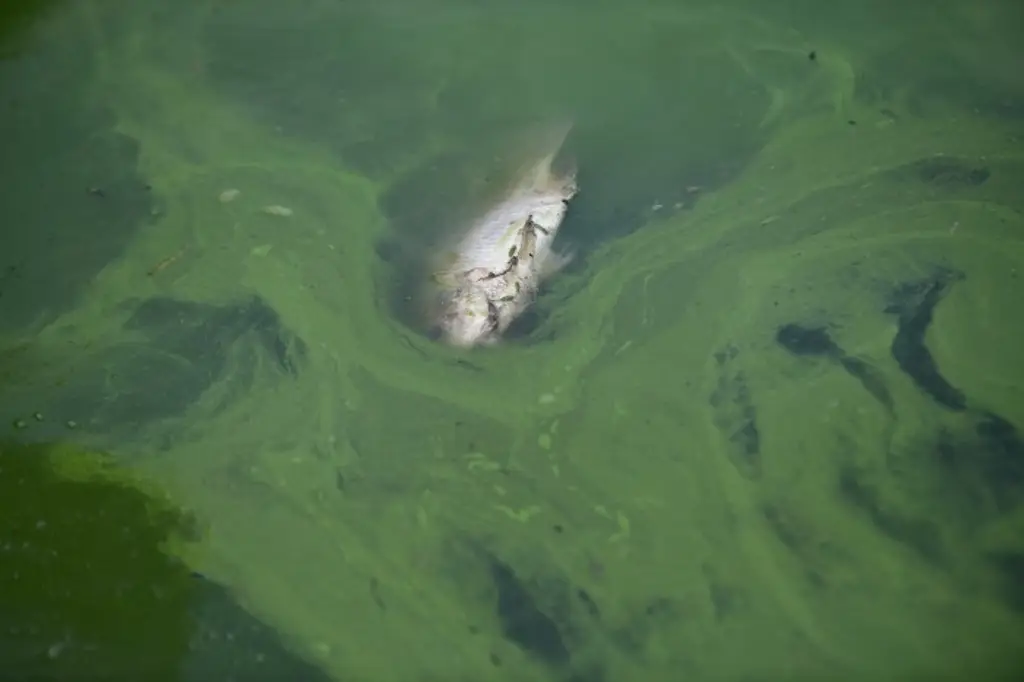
{"points": [[767, 427]]}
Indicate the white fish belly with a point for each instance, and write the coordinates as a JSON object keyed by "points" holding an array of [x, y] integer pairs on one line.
{"points": [[491, 241]]}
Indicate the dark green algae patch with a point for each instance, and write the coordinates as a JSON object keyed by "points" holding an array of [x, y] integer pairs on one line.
{"points": [[89, 580], [95, 584]]}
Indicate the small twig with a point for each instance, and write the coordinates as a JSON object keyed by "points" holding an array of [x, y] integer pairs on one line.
{"points": [[160, 266]]}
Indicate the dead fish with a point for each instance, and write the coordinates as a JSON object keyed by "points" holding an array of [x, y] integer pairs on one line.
{"points": [[490, 273]]}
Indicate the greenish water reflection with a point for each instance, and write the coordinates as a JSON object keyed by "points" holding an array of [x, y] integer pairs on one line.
{"points": [[765, 429]]}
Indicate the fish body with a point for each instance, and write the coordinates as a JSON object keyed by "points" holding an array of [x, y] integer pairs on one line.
{"points": [[492, 272]]}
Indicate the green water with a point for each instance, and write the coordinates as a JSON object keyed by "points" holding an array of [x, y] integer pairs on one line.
{"points": [[135, 605], [766, 428]]}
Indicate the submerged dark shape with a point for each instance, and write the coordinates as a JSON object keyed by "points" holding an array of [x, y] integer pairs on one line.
{"points": [[1010, 567], [84, 573], [522, 620], [914, 303], [950, 173], [807, 341], [996, 454], [527, 325], [870, 378], [91, 592], [190, 346], [921, 536], [197, 330], [63, 235], [1001, 458], [735, 415], [816, 342], [169, 354]]}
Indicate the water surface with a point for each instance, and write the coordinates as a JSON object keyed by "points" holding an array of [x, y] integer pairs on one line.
{"points": [[766, 428]]}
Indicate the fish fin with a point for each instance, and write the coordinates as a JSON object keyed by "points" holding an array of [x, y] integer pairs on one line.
{"points": [[564, 181], [543, 176], [556, 261]]}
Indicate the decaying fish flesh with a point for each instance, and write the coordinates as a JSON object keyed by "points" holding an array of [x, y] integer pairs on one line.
{"points": [[493, 270]]}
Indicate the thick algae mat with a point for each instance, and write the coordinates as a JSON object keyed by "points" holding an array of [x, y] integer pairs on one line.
{"points": [[769, 437]]}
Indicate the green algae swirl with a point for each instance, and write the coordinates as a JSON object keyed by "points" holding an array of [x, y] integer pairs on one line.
{"points": [[663, 478]]}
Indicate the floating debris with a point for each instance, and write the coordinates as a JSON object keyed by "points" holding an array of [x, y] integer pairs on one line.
{"points": [[283, 211], [169, 260], [261, 250], [229, 195]]}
